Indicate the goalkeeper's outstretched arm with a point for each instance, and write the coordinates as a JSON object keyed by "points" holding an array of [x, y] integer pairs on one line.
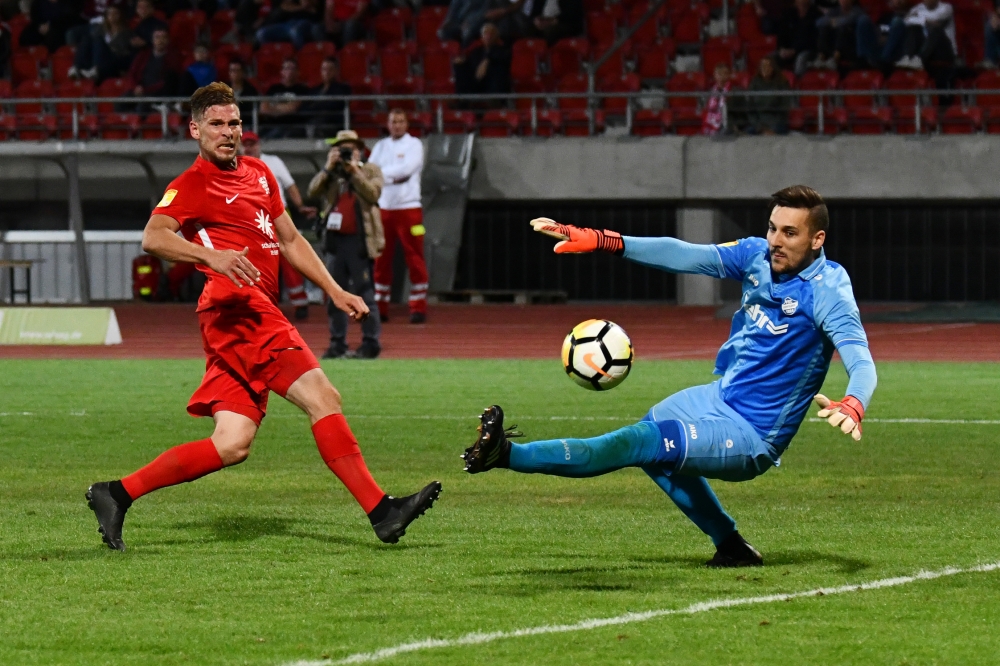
{"points": [[665, 253]]}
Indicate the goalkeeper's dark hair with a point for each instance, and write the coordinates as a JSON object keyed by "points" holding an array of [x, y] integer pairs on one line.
{"points": [[214, 94], [806, 198]]}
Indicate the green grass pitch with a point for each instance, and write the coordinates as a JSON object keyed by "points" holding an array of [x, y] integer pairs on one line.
{"points": [[272, 561]]}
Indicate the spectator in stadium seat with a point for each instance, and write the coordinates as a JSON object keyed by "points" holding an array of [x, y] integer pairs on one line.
{"points": [[768, 114], [484, 66], [930, 39], [798, 35], [559, 19], [146, 24], [199, 73], [880, 42], [714, 119], [50, 20], [991, 36], [248, 16], [105, 52], [837, 41], [344, 20], [155, 71], [295, 21], [327, 117], [92, 14], [283, 115], [242, 88], [460, 23]]}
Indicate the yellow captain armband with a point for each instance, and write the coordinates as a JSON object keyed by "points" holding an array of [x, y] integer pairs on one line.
{"points": [[729, 244], [418, 230]]}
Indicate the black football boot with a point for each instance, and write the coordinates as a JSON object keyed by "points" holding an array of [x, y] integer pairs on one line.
{"points": [[110, 514], [734, 551], [492, 447], [395, 514]]}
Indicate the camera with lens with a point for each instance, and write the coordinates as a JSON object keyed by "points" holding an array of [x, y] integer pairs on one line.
{"points": [[346, 155]]}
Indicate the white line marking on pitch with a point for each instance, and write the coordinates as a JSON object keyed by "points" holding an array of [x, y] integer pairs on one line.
{"points": [[628, 618]]}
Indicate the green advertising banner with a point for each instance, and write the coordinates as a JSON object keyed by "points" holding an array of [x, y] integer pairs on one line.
{"points": [[59, 326]]}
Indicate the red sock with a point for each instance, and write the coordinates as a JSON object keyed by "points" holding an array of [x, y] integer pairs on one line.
{"points": [[185, 462], [340, 452]]}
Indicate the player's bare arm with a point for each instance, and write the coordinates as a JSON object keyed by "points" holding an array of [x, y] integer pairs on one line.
{"points": [[303, 258], [160, 239]]}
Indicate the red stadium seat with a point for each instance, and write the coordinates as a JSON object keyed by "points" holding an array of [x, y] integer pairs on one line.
{"points": [[356, 59], [601, 28], [269, 58], [60, 62], [389, 27], [119, 125], [687, 121], [459, 122], [576, 122], [687, 28], [862, 79], [6, 92], [613, 66], [72, 90], [444, 87], [653, 60], [991, 119], [566, 57], [17, 24], [684, 82], [369, 85], [988, 80], [647, 122], [29, 89], [438, 59], [499, 123], [227, 53], [528, 87], [650, 31], [747, 23], [818, 80], [757, 51], [625, 83], [311, 57], [428, 22], [395, 63], [112, 88], [904, 119], [411, 85], [525, 57], [958, 119], [368, 125], [221, 24], [8, 127], [866, 119], [715, 54], [35, 126], [548, 122], [151, 126], [421, 123], [906, 79], [186, 27], [24, 66], [573, 83]]}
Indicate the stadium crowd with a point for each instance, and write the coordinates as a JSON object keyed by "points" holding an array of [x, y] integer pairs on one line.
{"points": [[288, 49]]}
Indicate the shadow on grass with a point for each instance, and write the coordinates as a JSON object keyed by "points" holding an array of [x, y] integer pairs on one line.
{"points": [[241, 528], [786, 558]]}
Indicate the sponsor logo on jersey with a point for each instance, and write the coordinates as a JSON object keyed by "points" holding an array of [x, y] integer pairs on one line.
{"points": [[264, 224], [789, 306], [263, 183], [168, 197], [668, 444], [568, 456], [753, 280], [693, 431], [763, 321], [229, 201]]}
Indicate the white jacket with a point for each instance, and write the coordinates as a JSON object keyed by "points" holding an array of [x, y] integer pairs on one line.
{"points": [[943, 13], [401, 161]]}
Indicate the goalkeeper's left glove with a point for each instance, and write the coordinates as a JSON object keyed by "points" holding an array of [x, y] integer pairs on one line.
{"points": [[846, 414], [574, 240]]}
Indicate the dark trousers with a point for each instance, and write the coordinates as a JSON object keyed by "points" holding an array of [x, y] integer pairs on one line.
{"points": [[934, 50], [841, 40], [352, 269]]}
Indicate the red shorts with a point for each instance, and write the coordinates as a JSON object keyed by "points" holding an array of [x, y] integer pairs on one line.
{"points": [[249, 352]]}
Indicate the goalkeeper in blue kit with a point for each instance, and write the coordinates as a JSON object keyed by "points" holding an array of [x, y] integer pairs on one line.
{"points": [[797, 308]]}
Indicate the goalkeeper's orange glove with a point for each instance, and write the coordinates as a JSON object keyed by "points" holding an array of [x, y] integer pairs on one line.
{"points": [[576, 240], [846, 414]]}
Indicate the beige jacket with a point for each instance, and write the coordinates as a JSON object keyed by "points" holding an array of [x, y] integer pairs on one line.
{"points": [[367, 185]]}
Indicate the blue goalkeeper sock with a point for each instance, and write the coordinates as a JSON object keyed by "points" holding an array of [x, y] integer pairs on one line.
{"points": [[695, 498], [644, 443]]}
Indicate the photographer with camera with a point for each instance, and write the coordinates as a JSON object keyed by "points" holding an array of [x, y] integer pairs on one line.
{"points": [[351, 235]]}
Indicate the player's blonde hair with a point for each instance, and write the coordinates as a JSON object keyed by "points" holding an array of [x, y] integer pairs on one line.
{"points": [[214, 94]]}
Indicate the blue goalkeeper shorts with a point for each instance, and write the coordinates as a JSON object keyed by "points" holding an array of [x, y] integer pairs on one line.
{"points": [[720, 442]]}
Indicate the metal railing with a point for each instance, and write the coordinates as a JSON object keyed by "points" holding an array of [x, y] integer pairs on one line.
{"points": [[531, 103]]}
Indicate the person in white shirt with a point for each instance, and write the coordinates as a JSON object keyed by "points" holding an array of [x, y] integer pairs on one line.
{"points": [[930, 36], [401, 158], [294, 283]]}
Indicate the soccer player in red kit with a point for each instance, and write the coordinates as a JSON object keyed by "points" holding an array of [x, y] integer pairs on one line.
{"points": [[234, 227]]}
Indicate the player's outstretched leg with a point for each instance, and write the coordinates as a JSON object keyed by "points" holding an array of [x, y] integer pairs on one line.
{"points": [[639, 444], [229, 445], [389, 516]]}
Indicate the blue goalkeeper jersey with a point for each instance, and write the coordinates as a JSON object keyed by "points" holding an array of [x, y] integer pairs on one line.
{"points": [[783, 336]]}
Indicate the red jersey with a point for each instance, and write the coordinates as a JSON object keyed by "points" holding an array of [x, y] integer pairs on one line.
{"points": [[229, 210]]}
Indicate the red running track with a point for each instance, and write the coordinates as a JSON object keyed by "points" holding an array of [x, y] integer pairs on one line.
{"points": [[528, 331]]}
